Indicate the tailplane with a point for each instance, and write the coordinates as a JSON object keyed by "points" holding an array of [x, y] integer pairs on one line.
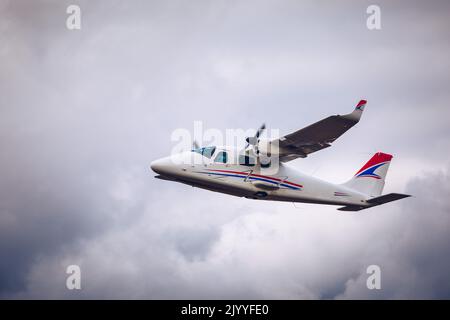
{"points": [[376, 201], [370, 178]]}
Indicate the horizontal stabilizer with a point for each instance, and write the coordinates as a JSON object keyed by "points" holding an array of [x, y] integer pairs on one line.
{"points": [[376, 201], [387, 198]]}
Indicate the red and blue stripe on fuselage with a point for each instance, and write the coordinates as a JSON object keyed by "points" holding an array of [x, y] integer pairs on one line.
{"points": [[253, 176]]}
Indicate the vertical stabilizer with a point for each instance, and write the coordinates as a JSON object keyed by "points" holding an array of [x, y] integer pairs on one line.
{"points": [[370, 178]]}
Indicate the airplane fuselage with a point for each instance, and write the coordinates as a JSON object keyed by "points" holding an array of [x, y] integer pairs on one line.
{"points": [[283, 183]]}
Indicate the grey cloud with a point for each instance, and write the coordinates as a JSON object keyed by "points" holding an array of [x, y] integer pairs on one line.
{"points": [[280, 252], [417, 257]]}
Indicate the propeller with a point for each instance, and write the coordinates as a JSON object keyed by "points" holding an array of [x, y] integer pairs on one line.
{"points": [[195, 145], [255, 139]]}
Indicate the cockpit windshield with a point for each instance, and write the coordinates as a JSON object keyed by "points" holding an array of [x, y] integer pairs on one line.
{"points": [[206, 151]]}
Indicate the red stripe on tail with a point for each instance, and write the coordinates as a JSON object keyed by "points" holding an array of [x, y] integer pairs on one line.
{"points": [[379, 157]]}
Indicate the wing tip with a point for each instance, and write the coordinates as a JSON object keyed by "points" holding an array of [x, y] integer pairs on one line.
{"points": [[361, 104], [355, 115]]}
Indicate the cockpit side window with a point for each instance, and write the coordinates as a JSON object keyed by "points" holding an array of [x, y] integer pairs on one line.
{"points": [[209, 151], [206, 151], [245, 160], [221, 157]]}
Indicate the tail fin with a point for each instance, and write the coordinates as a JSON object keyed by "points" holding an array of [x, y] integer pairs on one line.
{"points": [[371, 177]]}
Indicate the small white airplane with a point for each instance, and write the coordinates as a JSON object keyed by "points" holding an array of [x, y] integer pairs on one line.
{"points": [[250, 172]]}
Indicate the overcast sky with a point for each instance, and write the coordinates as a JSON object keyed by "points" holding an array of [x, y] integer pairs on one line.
{"points": [[84, 112]]}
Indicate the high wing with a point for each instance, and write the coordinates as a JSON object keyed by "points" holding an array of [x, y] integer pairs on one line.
{"points": [[317, 136]]}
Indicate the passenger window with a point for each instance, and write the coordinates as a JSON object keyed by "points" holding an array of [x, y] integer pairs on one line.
{"points": [[221, 157], [245, 160]]}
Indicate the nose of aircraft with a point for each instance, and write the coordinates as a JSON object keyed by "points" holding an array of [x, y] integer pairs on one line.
{"points": [[161, 166]]}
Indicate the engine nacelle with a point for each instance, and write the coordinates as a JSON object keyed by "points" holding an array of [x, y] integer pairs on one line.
{"points": [[268, 148]]}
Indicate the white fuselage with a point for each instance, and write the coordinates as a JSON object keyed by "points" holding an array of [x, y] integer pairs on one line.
{"points": [[279, 183]]}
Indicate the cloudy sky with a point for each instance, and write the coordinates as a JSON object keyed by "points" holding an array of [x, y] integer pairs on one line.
{"points": [[84, 112]]}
